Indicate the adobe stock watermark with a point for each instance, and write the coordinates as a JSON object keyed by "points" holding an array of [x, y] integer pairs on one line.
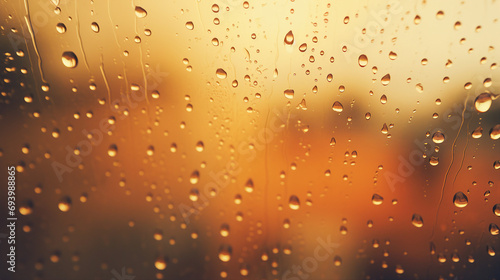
{"points": [[323, 251], [222, 179], [122, 276], [94, 137], [39, 18], [363, 36], [453, 116]]}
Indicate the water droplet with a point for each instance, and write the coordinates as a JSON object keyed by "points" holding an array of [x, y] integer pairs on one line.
{"points": [[61, 28], [150, 150], [195, 176], [190, 25], [377, 199], [199, 146], [294, 202], [386, 79], [494, 230], [460, 200], [496, 209], [495, 132], [438, 137], [140, 12], [303, 47], [289, 38], [363, 60], [477, 133], [483, 102], [417, 220], [95, 27], [491, 250], [224, 230], [194, 194], [289, 93], [225, 253], [337, 107], [221, 74], [69, 59], [160, 263], [249, 186], [112, 150], [64, 204], [393, 55]]}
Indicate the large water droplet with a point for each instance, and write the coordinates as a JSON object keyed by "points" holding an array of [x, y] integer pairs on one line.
{"points": [[140, 12], [294, 202], [289, 39], [64, 204], [160, 263], [494, 230], [69, 59], [289, 93], [221, 74], [112, 150], [438, 137], [337, 107], [225, 252], [377, 199], [417, 220], [460, 200], [386, 79], [495, 132], [483, 102], [249, 186], [363, 60]]}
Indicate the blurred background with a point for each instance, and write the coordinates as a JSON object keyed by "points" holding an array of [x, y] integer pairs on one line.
{"points": [[251, 139]]}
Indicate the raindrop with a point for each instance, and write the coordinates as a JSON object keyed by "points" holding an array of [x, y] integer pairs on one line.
{"points": [[140, 12], [460, 200], [289, 93], [363, 60], [438, 137], [289, 38], [483, 102], [495, 132], [95, 27], [194, 178], [386, 79], [337, 107], [64, 204], [249, 186], [494, 230], [221, 74], [496, 209], [69, 59], [225, 253], [294, 202], [377, 199], [61, 28], [160, 263], [112, 150], [303, 47], [417, 220], [190, 25]]}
